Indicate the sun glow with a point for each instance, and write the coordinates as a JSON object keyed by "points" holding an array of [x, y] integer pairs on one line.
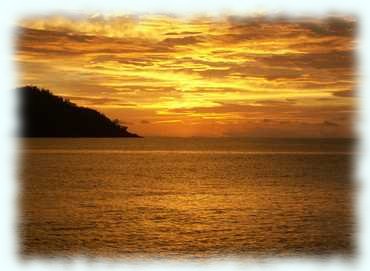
{"points": [[199, 76]]}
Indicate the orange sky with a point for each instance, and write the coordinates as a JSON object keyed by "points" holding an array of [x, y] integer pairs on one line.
{"points": [[228, 76]]}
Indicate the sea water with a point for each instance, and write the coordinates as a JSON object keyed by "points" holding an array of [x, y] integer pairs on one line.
{"points": [[186, 197]]}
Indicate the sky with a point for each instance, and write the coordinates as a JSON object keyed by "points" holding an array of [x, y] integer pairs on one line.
{"points": [[162, 75]]}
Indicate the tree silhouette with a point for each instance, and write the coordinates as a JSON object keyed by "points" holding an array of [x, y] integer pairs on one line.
{"points": [[46, 115]]}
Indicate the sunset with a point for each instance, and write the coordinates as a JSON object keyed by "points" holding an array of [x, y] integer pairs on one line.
{"points": [[201, 76], [163, 137]]}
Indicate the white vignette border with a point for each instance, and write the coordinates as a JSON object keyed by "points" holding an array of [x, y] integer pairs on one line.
{"points": [[12, 11]]}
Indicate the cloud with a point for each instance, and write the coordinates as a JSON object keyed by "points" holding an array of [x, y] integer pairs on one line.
{"points": [[258, 107], [332, 26], [184, 33], [215, 73], [98, 101], [330, 123], [188, 40], [327, 60], [344, 93]]}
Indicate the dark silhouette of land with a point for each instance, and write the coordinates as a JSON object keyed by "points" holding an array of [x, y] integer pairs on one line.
{"points": [[46, 115]]}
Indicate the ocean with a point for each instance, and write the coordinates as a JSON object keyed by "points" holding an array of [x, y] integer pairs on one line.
{"points": [[186, 197]]}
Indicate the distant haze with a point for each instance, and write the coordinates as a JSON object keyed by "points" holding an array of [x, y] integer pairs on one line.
{"points": [[226, 76]]}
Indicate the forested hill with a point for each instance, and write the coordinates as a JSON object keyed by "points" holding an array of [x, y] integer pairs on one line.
{"points": [[46, 115]]}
